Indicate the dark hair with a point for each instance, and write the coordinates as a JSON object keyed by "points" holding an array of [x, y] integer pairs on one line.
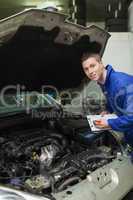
{"points": [[87, 55]]}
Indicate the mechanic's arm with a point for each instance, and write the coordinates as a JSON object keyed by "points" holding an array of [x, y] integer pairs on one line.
{"points": [[124, 122]]}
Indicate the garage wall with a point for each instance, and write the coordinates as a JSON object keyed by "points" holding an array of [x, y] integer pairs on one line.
{"points": [[119, 52]]}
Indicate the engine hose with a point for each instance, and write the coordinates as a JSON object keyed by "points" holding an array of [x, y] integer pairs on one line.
{"points": [[58, 167], [100, 157], [68, 182], [62, 140], [52, 183], [46, 142]]}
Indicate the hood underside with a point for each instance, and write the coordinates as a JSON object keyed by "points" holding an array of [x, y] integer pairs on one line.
{"points": [[40, 48]]}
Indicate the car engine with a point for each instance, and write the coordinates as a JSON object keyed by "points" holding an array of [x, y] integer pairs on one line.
{"points": [[49, 160]]}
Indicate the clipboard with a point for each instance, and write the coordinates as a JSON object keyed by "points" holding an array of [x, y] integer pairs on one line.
{"points": [[92, 118]]}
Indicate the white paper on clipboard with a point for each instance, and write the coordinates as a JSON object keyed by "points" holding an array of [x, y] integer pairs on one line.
{"points": [[92, 118]]}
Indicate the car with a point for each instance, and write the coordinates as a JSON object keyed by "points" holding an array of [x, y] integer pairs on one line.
{"points": [[48, 151]]}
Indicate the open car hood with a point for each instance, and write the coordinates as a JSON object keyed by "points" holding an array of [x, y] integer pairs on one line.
{"points": [[40, 48]]}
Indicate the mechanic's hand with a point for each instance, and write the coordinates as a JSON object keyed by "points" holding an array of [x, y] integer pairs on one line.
{"points": [[104, 113], [101, 123]]}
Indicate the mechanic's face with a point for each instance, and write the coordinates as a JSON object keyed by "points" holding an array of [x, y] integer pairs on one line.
{"points": [[93, 69]]}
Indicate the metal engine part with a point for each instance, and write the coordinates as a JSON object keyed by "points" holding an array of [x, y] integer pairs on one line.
{"points": [[37, 183], [48, 153]]}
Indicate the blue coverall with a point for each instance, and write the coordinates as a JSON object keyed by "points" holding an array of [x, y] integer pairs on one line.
{"points": [[118, 89]]}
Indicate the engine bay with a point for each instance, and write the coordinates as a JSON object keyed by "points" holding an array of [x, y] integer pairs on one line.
{"points": [[54, 156]]}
